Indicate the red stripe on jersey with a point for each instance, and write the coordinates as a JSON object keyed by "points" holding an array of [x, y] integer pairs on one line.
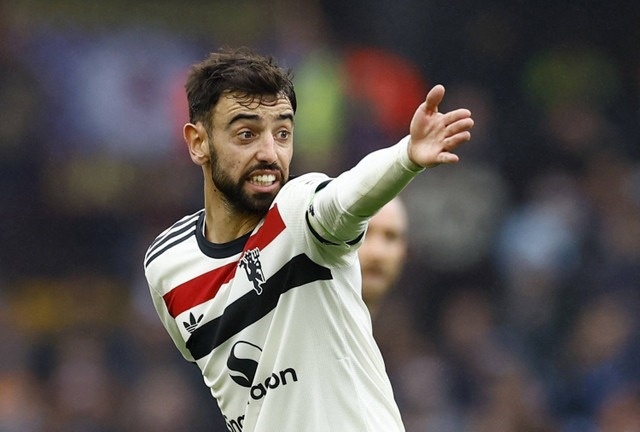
{"points": [[273, 225], [198, 290], [205, 287]]}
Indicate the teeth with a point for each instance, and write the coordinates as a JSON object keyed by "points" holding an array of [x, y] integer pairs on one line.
{"points": [[263, 180]]}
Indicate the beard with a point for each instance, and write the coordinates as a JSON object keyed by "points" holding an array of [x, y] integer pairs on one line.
{"points": [[235, 197]]}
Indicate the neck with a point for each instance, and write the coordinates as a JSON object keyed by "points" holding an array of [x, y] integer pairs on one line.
{"points": [[223, 225]]}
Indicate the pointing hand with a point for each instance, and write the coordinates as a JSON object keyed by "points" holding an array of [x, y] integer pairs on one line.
{"points": [[434, 135]]}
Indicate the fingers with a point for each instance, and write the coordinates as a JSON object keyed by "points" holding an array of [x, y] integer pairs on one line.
{"points": [[457, 122], [436, 135], [447, 158], [456, 115], [459, 138], [452, 142], [458, 126]]}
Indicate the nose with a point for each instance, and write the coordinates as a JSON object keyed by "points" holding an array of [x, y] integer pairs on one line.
{"points": [[373, 248], [266, 149]]}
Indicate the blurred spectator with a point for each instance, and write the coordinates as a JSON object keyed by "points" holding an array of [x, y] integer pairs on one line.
{"points": [[383, 252], [539, 252], [320, 125], [115, 92], [490, 382], [457, 216], [598, 359], [620, 412], [162, 401]]}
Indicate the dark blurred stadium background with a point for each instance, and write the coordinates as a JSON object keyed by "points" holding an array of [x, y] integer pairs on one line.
{"points": [[518, 309]]}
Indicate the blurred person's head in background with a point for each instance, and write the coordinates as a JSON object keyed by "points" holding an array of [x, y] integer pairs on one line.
{"points": [[383, 252]]}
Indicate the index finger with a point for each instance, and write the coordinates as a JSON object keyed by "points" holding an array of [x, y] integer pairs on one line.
{"points": [[456, 115]]}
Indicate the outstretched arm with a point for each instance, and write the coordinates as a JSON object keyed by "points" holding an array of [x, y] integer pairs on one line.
{"points": [[345, 205], [434, 135]]}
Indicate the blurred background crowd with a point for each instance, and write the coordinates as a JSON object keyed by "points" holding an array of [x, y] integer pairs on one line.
{"points": [[518, 309]]}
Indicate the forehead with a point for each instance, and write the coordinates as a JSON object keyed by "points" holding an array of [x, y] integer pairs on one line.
{"points": [[265, 107], [391, 218]]}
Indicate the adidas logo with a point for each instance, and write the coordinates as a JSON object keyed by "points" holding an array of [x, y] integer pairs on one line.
{"points": [[193, 323]]}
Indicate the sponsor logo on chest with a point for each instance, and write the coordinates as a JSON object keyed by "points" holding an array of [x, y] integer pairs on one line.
{"points": [[243, 365]]}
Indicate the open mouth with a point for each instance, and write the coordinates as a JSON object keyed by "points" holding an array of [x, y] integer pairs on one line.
{"points": [[263, 179]]}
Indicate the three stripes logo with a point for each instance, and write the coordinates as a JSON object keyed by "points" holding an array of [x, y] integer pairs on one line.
{"points": [[192, 324]]}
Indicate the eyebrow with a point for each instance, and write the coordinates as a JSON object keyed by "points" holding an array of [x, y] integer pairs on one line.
{"points": [[286, 116], [255, 117]]}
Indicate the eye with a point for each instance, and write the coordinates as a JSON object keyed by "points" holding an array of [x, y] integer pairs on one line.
{"points": [[392, 236], [246, 134], [283, 134]]}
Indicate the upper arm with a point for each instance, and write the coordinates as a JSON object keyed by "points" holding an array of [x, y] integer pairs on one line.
{"points": [[298, 205], [169, 322]]}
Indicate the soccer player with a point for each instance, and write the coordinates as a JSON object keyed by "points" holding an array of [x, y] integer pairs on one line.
{"points": [[383, 252], [261, 288]]}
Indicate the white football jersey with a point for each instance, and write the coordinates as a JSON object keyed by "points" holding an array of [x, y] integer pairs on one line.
{"points": [[275, 321]]}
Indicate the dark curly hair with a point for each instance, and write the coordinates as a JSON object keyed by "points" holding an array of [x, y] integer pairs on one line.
{"points": [[237, 71]]}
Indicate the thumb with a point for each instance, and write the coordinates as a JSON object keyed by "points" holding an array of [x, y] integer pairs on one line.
{"points": [[434, 97]]}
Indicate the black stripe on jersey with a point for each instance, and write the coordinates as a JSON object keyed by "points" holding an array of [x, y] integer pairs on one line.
{"points": [[323, 185], [189, 229], [356, 240], [306, 217], [315, 233], [170, 233], [251, 307]]}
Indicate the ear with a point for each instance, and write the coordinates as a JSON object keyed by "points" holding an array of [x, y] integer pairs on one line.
{"points": [[197, 140]]}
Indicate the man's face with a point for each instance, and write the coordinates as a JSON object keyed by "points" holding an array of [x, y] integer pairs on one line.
{"points": [[383, 252], [251, 147]]}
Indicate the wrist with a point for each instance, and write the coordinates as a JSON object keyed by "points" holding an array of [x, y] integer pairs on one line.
{"points": [[405, 159]]}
